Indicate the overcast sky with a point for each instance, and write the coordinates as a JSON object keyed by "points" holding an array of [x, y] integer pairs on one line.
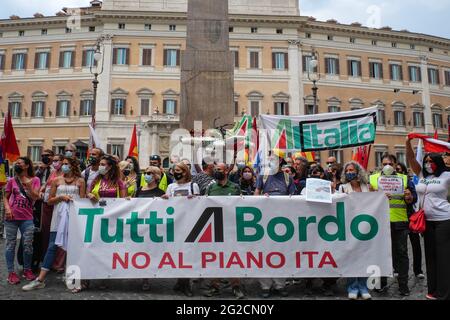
{"points": [[423, 16]]}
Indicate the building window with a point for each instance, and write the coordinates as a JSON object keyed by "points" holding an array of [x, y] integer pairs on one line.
{"points": [[281, 108], [171, 57], [235, 54], [146, 57], [88, 58], [2, 62], [42, 60], [332, 66], [330, 38], [236, 108], [379, 158], [280, 61], [254, 108], [437, 120], [63, 108], [412, 47], [172, 27], [401, 158], [333, 109], [352, 40], [376, 70], [38, 109], [279, 31], [418, 119], [66, 59], [86, 108], [446, 75], [354, 68], [381, 117], [399, 118], [430, 49], [121, 26], [374, 42], [44, 32], [254, 30], [15, 109], [21, 33], [433, 76], [19, 61], [309, 109], [254, 60], [35, 153], [394, 44], [170, 107], [145, 107], [91, 29], [68, 30], [118, 107], [230, 29], [307, 64], [121, 56], [414, 74], [308, 35], [396, 72], [148, 27]]}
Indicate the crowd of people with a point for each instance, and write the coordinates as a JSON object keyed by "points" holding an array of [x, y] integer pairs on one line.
{"points": [[36, 201]]}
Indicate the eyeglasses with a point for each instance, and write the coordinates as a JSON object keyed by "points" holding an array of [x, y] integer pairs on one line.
{"points": [[388, 164], [149, 173]]}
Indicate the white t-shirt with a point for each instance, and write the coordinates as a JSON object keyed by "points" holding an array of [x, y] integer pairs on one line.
{"points": [[182, 190], [436, 205], [92, 176]]}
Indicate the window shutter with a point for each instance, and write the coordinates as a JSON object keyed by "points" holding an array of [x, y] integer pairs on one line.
{"points": [[429, 76], [29, 152], [410, 73], [165, 107], [44, 105], [274, 60], [401, 72], [2, 62], [349, 67], [327, 69], [84, 58], [108, 149], [72, 59], [381, 70], [338, 69], [81, 111], [115, 56], [9, 107], [178, 58], [145, 106], [275, 108], [58, 107], [420, 74], [68, 108], [438, 77], [286, 111], [286, 61], [176, 107], [112, 106], [25, 61], [165, 57], [36, 60], [146, 57], [236, 59], [391, 71], [236, 108], [127, 58], [124, 107], [61, 59], [48, 60], [304, 64], [371, 67], [33, 109], [13, 63]]}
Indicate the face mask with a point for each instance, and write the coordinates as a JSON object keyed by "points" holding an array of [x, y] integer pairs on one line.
{"points": [[56, 165], [126, 173], [68, 154], [247, 175], [178, 176], [148, 178], [430, 168], [46, 160], [65, 168], [219, 176], [131, 167], [18, 169], [93, 161], [102, 170], [351, 176], [388, 170]]}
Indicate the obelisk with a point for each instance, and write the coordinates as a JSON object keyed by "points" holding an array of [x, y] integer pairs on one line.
{"points": [[207, 71]]}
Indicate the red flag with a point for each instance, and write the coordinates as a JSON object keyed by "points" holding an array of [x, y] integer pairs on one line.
{"points": [[361, 155], [10, 149], [436, 135], [430, 144], [133, 152], [282, 142]]}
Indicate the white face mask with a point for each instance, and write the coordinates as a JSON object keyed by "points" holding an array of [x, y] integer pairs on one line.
{"points": [[428, 168], [388, 170], [102, 170]]}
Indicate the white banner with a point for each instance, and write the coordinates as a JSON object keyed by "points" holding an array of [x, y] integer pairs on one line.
{"points": [[328, 131], [228, 237]]}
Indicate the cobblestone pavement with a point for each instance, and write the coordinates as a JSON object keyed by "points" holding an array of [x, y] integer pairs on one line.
{"points": [[162, 289]]}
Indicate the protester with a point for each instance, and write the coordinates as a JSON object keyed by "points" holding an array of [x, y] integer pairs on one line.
{"points": [[205, 178], [331, 161], [152, 175], [274, 183], [108, 183], [289, 170], [301, 167], [155, 161], [129, 177], [414, 238], [21, 193], [433, 188], [247, 181], [355, 180], [399, 223], [182, 187], [64, 189], [91, 173], [224, 187], [334, 175]]}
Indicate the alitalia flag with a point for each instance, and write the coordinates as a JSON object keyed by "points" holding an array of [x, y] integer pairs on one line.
{"points": [[328, 131]]}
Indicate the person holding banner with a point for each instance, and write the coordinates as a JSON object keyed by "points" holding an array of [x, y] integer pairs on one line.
{"points": [[433, 187], [21, 193], [108, 184], [152, 175], [394, 186], [129, 177], [355, 180], [91, 172], [66, 188], [182, 187], [247, 181]]}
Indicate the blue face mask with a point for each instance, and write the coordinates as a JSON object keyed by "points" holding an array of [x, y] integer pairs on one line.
{"points": [[65, 168], [68, 154], [351, 176], [148, 178]]}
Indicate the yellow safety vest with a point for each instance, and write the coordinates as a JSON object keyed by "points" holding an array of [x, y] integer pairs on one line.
{"points": [[162, 183], [397, 204]]}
